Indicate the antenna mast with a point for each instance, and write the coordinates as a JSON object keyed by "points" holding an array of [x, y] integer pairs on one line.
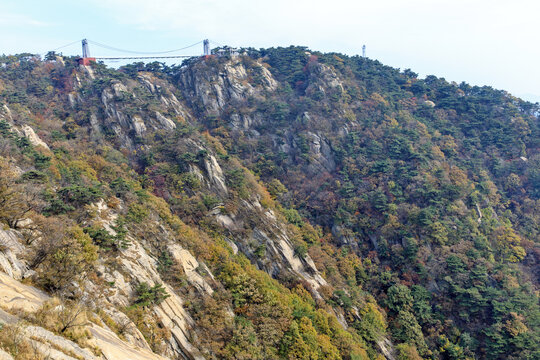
{"points": [[363, 50]]}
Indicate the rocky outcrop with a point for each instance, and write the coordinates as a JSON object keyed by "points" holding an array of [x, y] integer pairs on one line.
{"points": [[346, 237], [279, 255], [215, 175], [138, 266], [321, 155], [11, 254], [166, 123], [246, 121], [5, 356], [33, 138], [165, 95], [323, 79], [16, 296], [112, 348], [5, 113], [142, 268], [190, 266], [386, 348], [56, 347], [124, 119], [215, 87], [24, 130]]}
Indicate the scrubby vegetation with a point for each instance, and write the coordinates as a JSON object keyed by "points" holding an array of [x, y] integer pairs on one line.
{"points": [[417, 200]]}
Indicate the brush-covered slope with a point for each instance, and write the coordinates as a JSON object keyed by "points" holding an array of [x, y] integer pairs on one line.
{"points": [[277, 204]]}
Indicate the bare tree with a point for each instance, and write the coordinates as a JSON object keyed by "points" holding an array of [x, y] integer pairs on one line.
{"points": [[72, 315], [16, 200]]}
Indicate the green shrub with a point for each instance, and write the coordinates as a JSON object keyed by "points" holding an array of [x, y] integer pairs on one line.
{"points": [[64, 258], [300, 250], [105, 240], [165, 262], [190, 180], [79, 195], [292, 216], [41, 161], [34, 175], [149, 296], [57, 207], [276, 188], [120, 187], [236, 179], [137, 213], [5, 129]]}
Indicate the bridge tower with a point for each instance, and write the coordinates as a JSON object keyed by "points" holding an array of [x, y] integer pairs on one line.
{"points": [[86, 59], [206, 45], [85, 49]]}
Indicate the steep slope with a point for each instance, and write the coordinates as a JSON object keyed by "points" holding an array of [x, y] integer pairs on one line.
{"points": [[278, 204], [436, 182], [90, 232]]}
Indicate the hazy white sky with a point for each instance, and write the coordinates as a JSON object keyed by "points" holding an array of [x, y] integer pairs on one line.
{"points": [[478, 41]]}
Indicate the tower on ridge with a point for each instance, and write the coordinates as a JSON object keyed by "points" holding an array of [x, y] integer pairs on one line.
{"points": [[86, 59], [85, 49], [206, 45]]}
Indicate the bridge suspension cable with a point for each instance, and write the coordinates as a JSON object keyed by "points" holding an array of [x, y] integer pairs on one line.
{"points": [[216, 43], [86, 59], [144, 57], [142, 52], [61, 47]]}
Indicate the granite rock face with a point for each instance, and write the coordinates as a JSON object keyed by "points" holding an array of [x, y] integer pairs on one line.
{"points": [[230, 90], [16, 297]]}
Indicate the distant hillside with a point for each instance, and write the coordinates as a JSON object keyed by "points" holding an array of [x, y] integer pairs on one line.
{"points": [[279, 204]]}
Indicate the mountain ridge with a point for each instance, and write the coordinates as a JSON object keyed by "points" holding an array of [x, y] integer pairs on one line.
{"points": [[383, 206]]}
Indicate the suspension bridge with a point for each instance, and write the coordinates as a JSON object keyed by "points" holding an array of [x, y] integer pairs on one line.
{"points": [[86, 58]]}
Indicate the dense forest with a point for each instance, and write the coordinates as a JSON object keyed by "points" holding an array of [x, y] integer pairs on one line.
{"points": [[288, 204]]}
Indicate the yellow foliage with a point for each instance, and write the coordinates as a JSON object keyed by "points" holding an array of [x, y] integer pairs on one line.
{"points": [[216, 144], [322, 323], [437, 153], [422, 129], [390, 121], [348, 265], [378, 98], [516, 326], [438, 233], [374, 319], [154, 334], [303, 294], [85, 169], [407, 352], [448, 144], [457, 176], [508, 242], [329, 351], [350, 115], [69, 254]]}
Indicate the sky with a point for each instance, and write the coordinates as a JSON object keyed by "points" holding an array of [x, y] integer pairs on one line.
{"points": [[481, 42]]}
